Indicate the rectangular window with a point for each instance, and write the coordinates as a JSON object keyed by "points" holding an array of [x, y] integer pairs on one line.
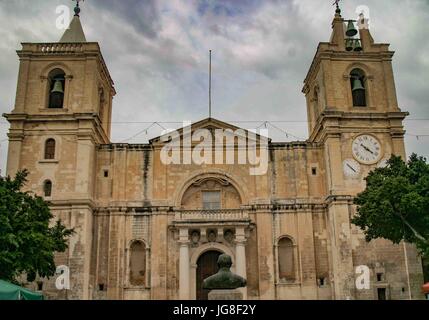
{"points": [[211, 200], [50, 149], [381, 292]]}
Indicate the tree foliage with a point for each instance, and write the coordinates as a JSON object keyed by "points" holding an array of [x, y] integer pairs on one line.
{"points": [[395, 204], [27, 242]]}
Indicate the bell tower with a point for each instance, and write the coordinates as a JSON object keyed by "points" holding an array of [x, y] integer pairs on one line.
{"points": [[351, 76], [353, 114], [62, 113], [351, 97], [64, 89]]}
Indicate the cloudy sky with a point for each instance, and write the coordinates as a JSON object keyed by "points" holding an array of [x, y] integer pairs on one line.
{"points": [[157, 53]]}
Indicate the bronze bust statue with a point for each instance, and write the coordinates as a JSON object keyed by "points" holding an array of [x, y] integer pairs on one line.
{"points": [[224, 279]]}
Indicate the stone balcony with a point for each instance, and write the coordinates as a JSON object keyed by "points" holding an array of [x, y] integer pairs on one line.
{"points": [[74, 50], [59, 48], [204, 216]]}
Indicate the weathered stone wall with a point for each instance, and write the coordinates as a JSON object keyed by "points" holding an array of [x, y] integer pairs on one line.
{"points": [[125, 212]]}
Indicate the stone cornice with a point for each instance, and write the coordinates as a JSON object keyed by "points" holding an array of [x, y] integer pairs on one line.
{"points": [[304, 206], [331, 122], [125, 146], [72, 204], [339, 199], [96, 133], [272, 146]]}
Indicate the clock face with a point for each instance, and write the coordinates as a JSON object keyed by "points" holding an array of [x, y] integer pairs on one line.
{"points": [[383, 163], [351, 168], [366, 149]]}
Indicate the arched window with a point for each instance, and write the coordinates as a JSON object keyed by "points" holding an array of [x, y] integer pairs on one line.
{"points": [[47, 188], [50, 149], [57, 83], [358, 86], [137, 263], [286, 259]]}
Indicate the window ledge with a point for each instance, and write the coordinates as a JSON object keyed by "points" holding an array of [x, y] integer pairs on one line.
{"points": [[364, 108], [136, 288], [49, 161], [381, 284], [288, 284], [53, 110]]}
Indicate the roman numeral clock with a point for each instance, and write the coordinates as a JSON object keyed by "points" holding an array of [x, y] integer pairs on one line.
{"points": [[367, 150]]}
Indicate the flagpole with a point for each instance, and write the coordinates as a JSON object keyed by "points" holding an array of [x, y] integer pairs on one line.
{"points": [[210, 85]]}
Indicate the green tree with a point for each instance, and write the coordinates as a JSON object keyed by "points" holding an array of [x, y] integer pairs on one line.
{"points": [[27, 242], [395, 204]]}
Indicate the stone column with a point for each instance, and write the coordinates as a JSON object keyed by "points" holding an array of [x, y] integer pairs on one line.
{"points": [[184, 265], [240, 257], [14, 152]]}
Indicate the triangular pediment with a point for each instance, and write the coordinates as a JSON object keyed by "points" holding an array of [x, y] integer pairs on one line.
{"points": [[211, 125]]}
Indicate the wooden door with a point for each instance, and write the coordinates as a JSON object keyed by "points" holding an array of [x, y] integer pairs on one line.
{"points": [[206, 267]]}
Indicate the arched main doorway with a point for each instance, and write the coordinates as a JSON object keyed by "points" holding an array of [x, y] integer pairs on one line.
{"points": [[206, 267]]}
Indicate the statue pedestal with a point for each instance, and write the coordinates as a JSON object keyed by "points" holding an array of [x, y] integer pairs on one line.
{"points": [[225, 295]]}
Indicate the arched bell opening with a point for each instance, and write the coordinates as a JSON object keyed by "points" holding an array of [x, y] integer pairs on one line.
{"points": [[358, 87], [56, 80]]}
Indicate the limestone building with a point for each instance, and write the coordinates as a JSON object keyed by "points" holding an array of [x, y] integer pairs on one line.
{"points": [[150, 230]]}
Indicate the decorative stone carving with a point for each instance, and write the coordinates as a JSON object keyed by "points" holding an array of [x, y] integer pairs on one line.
{"points": [[229, 236], [212, 236], [195, 237]]}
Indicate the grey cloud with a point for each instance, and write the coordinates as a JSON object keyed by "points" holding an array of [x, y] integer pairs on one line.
{"points": [[157, 53], [143, 15]]}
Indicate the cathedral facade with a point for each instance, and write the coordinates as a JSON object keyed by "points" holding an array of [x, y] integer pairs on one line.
{"points": [[148, 229]]}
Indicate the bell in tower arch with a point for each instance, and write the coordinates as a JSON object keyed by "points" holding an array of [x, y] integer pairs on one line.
{"points": [[357, 85], [358, 92], [56, 97], [351, 30]]}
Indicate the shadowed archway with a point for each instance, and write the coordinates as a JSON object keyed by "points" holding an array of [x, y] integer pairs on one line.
{"points": [[206, 267]]}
